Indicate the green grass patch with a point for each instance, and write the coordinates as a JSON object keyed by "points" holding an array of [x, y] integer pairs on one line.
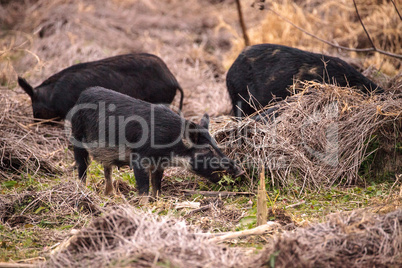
{"points": [[19, 244]]}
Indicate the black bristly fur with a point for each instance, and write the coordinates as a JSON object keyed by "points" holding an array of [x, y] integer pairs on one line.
{"points": [[183, 140], [267, 70], [142, 76]]}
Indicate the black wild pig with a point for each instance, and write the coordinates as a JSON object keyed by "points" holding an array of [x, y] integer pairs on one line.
{"points": [[142, 76], [118, 130], [267, 70]]}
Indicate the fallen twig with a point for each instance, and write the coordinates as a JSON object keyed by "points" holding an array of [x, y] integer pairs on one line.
{"points": [[17, 265], [187, 204], [213, 193], [262, 229], [200, 209], [31, 262], [396, 9], [296, 204]]}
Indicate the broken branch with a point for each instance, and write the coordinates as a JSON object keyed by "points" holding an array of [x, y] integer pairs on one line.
{"points": [[296, 204], [200, 209], [213, 193], [260, 230]]}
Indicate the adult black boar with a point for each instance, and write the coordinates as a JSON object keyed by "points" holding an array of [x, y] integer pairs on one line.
{"points": [[267, 70], [142, 76], [116, 129]]}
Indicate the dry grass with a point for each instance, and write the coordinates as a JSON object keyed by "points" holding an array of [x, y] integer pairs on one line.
{"points": [[356, 239], [132, 238], [198, 40], [121, 235], [26, 146], [50, 36], [335, 21], [59, 205], [319, 138], [45, 37]]}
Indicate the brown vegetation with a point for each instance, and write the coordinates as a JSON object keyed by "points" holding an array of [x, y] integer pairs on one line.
{"points": [[199, 41], [317, 138], [335, 21], [131, 238], [25, 146], [356, 239], [59, 204]]}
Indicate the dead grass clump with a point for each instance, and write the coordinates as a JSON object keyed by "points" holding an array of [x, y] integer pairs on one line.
{"points": [[317, 138], [356, 239], [56, 206], [214, 215], [122, 187], [26, 146], [395, 84], [129, 237], [173, 187]]}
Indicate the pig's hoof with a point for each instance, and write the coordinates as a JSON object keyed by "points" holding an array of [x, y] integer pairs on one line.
{"points": [[109, 192], [144, 200]]}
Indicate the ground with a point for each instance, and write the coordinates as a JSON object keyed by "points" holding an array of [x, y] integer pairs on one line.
{"points": [[40, 208]]}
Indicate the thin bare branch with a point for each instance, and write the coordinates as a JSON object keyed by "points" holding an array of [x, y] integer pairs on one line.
{"points": [[362, 24], [214, 193], [371, 49], [242, 24], [396, 9]]}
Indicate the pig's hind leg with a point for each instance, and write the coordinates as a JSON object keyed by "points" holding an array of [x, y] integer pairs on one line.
{"points": [[142, 180], [108, 179], [81, 157], [156, 181]]}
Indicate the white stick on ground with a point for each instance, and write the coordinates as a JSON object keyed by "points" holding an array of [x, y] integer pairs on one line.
{"points": [[262, 229]]}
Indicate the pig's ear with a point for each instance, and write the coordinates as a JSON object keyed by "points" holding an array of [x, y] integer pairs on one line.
{"points": [[205, 121], [25, 86], [191, 135]]}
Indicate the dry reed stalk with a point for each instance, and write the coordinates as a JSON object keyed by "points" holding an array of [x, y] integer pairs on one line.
{"points": [[270, 226], [262, 209]]}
